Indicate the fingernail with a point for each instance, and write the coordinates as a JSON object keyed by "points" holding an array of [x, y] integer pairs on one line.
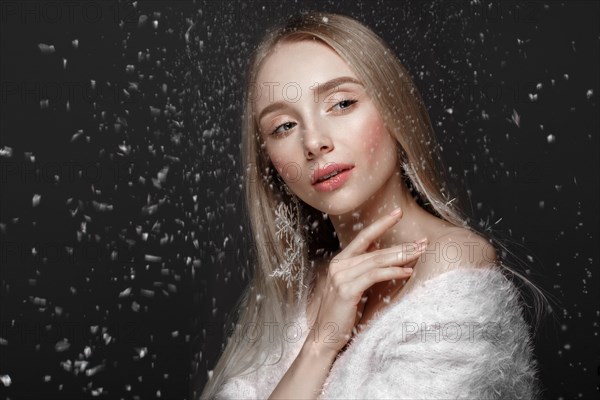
{"points": [[420, 241], [408, 270], [396, 212]]}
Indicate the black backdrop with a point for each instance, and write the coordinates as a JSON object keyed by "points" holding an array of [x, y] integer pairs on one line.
{"points": [[124, 239]]}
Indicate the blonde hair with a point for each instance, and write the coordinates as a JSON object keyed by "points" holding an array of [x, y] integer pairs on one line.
{"points": [[394, 94]]}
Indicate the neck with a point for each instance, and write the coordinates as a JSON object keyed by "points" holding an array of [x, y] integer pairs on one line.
{"points": [[413, 225]]}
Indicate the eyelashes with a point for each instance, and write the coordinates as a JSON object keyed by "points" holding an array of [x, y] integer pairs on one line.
{"points": [[349, 102]]}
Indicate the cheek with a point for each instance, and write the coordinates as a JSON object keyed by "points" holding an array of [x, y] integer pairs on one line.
{"points": [[376, 139], [284, 165], [381, 157]]}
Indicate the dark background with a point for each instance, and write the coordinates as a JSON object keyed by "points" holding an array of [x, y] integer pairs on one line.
{"points": [[123, 238]]}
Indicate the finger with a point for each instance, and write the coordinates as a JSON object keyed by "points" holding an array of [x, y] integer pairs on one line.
{"points": [[363, 240], [399, 255], [405, 248], [401, 258], [372, 247], [369, 278]]}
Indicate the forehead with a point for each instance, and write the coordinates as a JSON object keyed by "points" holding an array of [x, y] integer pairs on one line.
{"points": [[304, 63]]}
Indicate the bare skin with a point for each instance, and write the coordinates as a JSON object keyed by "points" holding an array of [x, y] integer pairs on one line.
{"points": [[338, 291], [382, 294], [377, 250], [339, 288], [350, 273]]}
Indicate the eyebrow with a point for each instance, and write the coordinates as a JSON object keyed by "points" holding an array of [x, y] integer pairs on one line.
{"points": [[325, 87]]}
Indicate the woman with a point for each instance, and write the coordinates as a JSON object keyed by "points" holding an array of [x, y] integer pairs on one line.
{"points": [[369, 281]]}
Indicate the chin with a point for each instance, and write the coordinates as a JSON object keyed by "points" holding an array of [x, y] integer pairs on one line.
{"points": [[338, 209], [337, 203]]}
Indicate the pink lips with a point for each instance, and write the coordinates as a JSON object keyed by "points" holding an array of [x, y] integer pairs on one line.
{"points": [[334, 182], [321, 172]]}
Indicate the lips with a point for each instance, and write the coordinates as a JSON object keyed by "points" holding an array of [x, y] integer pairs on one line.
{"points": [[329, 171]]}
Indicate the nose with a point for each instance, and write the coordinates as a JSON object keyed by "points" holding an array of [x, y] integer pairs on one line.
{"points": [[316, 143]]}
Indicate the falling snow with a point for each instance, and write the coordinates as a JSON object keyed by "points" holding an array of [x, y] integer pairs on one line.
{"points": [[126, 202]]}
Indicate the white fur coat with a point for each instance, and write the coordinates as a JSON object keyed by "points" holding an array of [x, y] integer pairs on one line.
{"points": [[459, 335]]}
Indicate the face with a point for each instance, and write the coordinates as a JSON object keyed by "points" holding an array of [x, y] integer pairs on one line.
{"points": [[308, 123]]}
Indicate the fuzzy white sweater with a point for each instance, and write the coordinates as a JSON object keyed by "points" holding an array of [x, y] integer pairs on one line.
{"points": [[459, 335]]}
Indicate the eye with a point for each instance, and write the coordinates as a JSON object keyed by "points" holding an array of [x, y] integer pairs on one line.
{"points": [[287, 126], [274, 133], [348, 102]]}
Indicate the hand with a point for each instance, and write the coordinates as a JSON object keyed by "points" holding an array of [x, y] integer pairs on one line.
{"points": [[353, 271]]}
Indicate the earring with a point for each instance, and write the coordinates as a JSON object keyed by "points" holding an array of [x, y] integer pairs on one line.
{"points": [[288, 225]]}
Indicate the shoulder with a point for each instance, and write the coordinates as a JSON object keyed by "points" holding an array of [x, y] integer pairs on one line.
{"points": [[452, 249], [457, 247]]}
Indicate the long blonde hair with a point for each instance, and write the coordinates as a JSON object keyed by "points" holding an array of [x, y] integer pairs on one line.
{"points": [[394, 94]]}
